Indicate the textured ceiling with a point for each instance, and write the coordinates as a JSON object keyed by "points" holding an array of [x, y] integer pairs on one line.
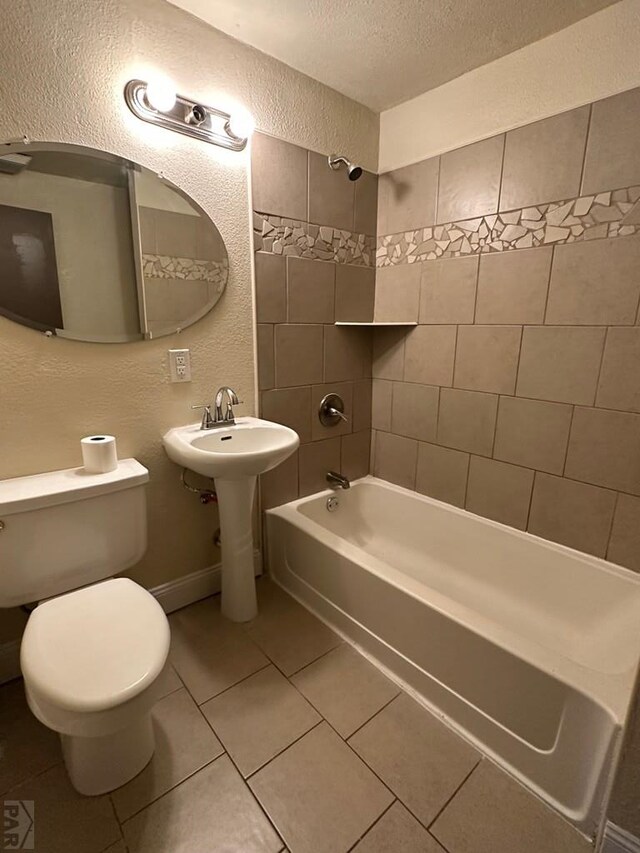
{"points": [[381, 52]]}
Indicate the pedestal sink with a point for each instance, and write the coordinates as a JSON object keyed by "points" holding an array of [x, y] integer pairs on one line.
{"points": [[234, 456]]}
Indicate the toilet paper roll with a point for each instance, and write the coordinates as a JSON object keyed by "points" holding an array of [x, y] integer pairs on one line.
{"points": [[99, 454]]}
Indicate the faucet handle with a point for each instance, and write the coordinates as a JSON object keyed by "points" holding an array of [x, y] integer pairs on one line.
{"points": [[207, 418]]}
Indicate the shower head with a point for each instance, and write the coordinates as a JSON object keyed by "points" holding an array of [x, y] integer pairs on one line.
{"points": [[353, 171]]}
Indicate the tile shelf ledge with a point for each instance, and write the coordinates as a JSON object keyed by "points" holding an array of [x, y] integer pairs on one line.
{"points": [[376, 323]]}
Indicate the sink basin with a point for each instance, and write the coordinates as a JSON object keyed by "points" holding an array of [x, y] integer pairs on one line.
{"points": [[250, 447]]}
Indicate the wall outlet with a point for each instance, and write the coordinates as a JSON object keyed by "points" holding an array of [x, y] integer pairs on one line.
{"points": [[180, 365]]}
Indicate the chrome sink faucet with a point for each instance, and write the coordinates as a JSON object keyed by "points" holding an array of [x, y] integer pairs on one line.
{"points": [[220, 418]]}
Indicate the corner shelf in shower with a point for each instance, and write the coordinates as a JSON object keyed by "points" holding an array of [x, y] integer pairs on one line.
{"points": [[376, 323]]}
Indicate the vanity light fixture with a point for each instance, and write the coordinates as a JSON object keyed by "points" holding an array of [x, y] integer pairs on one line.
{"points": [[155, 103]]}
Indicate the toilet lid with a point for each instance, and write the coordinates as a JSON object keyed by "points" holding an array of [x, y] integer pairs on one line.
{"points": [[97, 647]]}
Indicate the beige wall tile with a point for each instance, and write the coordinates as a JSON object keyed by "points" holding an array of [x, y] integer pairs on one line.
{"points": [[487, 358], [310, 290], [280, 485], [533, 433], [430, 354], [366, 212], [470, 180], [407, 197], [492, 812], [604, 449], [291, 407], [147, 218], [467, 420], [394, 459], [543, 161], [560, 364], [624, 545], [278, 177], [613, 149], [499, 491], [298, 355], [397, 293], [571, 513], [355, 451], [388, 353], [344, 390], [381, 391], [347, 353], [414, 410], [176, 234], [355, 293], [448, 291], [442, 473], [619, 384], [271, 304], [595, 282], [362, 404], [331, 194], [266, 356], [512, 286], [316, 460]]}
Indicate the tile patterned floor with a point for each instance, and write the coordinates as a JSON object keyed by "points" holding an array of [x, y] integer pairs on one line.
{"points": [[276, 736]]}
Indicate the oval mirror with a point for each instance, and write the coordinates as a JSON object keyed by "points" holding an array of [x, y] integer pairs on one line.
{"points": [[97, 248]]}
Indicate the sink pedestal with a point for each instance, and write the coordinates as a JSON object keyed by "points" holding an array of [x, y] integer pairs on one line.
{"points": [[235, 505]]}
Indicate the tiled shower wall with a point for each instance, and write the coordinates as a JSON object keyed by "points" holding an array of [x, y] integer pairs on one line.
{"points": [[314, 235], [517, 395]]}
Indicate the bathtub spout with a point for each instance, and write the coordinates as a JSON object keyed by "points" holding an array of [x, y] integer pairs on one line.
{"points": [[337, 481]]}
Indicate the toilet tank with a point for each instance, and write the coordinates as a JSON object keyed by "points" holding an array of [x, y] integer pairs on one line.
{"points": [[65, 529]]}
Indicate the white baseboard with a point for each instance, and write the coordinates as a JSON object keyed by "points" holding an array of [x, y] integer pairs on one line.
{"points": [[617, 840], [191, 588], [172, 596]]}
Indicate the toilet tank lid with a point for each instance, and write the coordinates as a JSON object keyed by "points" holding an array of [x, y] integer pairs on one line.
{"points": [[25, 494]]}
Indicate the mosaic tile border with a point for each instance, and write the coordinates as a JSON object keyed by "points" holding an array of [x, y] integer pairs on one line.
{"points": [[185, 269], [609, 214], [294, 237]]}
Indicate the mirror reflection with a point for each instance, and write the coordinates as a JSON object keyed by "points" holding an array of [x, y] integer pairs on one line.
{"points": [[97, 248]]}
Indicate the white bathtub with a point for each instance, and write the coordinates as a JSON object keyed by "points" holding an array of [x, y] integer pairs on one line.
{"points": [[528, 648]]}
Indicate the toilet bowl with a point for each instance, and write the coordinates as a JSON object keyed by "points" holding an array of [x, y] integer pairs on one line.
{"points": [[95, 646], [91, 661]]}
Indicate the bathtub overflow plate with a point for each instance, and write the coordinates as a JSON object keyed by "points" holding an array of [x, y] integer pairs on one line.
{"points": [[332, 504]]}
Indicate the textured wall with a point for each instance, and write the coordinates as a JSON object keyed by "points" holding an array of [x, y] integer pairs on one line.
{"points": [[314, 232], [64, 65], [594, 58]]}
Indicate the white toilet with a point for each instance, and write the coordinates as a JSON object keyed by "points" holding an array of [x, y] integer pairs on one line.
{"points": [[94, 647]]}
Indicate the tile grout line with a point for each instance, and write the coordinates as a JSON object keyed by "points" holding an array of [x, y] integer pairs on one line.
{"points": [[371, 826], [164, 793], [585, 150], [454, 795], [280, 752]]}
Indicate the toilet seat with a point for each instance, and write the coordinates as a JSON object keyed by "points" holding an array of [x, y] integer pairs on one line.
{"points": [[96, 648]]}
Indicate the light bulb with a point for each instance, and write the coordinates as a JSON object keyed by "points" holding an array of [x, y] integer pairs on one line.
{"points": [[241, 124], [161, 95]]}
